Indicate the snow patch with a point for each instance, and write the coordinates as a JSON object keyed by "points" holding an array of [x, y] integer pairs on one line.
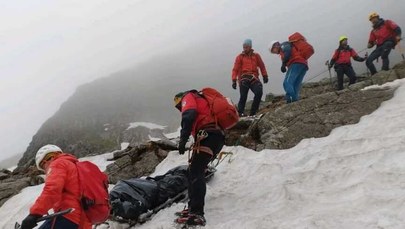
{"points": [[353, 178], [148, 125], [124, 145], [100, 160], [173, 135], [153, 139]]}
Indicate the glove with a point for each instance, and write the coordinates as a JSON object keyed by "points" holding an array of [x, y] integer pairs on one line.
{"points": [[182, 147], [234, 84], [265, 79], [283, 68], [30, 221]]}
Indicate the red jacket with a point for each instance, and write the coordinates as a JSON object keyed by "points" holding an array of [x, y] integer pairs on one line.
{"points": [[61, 191], [290, 55], [248, 64], [195, 114], [385, 30], [344, 55]]}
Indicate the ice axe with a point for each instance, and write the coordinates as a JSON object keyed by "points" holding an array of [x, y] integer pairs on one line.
{"points": [[64, 212], [330, 73]]}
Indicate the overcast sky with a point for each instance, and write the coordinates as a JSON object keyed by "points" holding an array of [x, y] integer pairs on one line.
{"points": [[48, 48]]}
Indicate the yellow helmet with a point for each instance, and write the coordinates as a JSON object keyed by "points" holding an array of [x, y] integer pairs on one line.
{"points": [[372, 15], [341, 38], [177, 99]]}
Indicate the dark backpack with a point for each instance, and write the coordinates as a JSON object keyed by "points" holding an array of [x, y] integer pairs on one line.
{"points": [[93, 192]]}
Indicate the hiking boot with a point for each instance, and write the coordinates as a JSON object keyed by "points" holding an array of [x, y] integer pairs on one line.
{"points": [[194, 219], [191, 219], [183, 213]]}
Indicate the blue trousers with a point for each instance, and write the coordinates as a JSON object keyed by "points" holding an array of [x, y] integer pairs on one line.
{"points": [[381, 51], [60, 223], [293, 80]]}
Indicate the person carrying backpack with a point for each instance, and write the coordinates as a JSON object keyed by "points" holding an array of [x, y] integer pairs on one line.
{"points": [[61, 191], [385, 34], [294, 55], [341, 61], [245, 71], [209, 138]]}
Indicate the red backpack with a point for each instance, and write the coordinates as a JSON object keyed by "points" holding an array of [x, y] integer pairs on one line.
{"points": [[94, 192], [301, 44], [222, 109]]}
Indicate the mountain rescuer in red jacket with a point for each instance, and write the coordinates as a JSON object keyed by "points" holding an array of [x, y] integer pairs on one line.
{"points": [[343, 65], [61, 191], [385, 34], [297, 68], [196, 120], [245, 70]]}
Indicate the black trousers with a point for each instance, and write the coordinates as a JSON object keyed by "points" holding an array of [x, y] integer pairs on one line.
{"points": [[257, 88], [199, 162], [60, 223], [381, 51], [341, 70]]}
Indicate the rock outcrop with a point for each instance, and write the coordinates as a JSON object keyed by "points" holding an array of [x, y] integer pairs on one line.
{"points": [[321, 110], [281, 126]]}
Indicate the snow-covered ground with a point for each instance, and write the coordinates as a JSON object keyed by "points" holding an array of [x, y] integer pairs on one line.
{"points": [[148, 125], [353, 178]]}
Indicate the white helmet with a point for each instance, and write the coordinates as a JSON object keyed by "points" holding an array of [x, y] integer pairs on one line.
{"points": [[272, 44], [43, 152]]}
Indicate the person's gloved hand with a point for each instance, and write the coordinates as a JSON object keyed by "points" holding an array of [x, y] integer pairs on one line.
{"points": [[30, 221], [234, 84], [182, 146], [283, 68], [265, 79]]}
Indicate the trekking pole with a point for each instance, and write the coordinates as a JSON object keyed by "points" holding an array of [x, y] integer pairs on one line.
{"points": [[64, 212], [330, 73], [368, 71]]}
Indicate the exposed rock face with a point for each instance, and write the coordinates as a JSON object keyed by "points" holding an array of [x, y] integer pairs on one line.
{"points": [[281, 126], [138, 161], [316, 115], [11, 182]]}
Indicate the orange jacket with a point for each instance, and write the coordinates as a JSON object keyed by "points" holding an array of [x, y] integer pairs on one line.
{"points": [[248, 64], [62, 191], [290, 55]]}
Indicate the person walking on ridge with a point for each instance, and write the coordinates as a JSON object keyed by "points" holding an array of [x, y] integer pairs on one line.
{"points": [[245, 71], [341, 61], [385, 35]]}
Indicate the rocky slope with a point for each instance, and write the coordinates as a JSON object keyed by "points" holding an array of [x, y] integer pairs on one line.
{"points": [[281, 126]]}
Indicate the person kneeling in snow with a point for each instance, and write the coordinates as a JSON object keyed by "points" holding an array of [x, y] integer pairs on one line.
{"points": [[209, 140], [61, 191]]}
